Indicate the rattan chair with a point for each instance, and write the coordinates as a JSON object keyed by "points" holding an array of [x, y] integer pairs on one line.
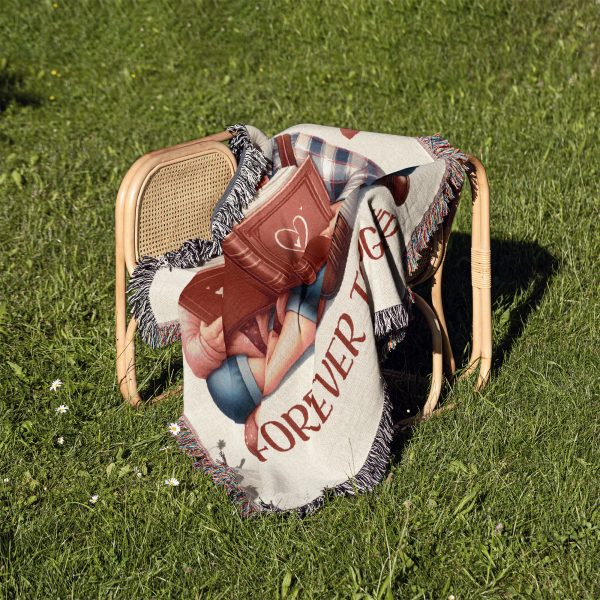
{"points": [[168, 196]]}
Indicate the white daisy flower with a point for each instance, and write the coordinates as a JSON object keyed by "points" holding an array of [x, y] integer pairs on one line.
{"points": [[94, 499], [57, 383], [174, 428], [62, 409], [6, 480], [172, 482], [60, 440]]}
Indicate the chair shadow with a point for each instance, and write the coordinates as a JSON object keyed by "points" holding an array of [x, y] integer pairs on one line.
{"points": [[166, 382], [12, 89], [521, 272]]}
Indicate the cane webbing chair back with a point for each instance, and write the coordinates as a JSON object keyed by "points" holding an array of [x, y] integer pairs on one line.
{"points": [[166, 198], [175, 200]]}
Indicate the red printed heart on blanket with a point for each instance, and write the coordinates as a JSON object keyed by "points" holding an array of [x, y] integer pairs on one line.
{"points": [[293, 238], [348, 133]]}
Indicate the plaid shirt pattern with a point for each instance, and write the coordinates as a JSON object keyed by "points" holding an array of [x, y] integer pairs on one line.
{"points": [[342, 171]]}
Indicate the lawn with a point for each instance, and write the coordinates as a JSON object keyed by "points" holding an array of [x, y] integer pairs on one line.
{"points": [[498, 498]]}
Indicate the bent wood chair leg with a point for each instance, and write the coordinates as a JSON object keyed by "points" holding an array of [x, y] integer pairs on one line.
{"points": [[125, 334], [121, 366], [133, 396], [434, 272], [120, 309], [481, 354], [126, 377], [438, 307], [437, 374], [176, 391], [482, 273], [437, 371], [476, 318]]}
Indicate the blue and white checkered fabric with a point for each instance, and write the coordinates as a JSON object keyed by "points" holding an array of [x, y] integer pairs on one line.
{"points": [[342, 171]]}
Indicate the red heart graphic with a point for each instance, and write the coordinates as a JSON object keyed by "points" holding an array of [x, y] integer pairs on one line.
{"points": [[348, 133]]}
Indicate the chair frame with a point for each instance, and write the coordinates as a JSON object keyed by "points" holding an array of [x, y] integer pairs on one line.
{"points": [[126, 231]]}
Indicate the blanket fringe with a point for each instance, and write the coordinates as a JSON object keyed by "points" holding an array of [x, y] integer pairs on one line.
{"points": [[449, 191], [391, 319], [391, 325], [168, 333], [221, 474], [373, 470], [252, 165], [368, 477]]}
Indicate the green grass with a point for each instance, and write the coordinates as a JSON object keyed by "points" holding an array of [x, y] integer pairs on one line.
{"points": [[496, 499]]}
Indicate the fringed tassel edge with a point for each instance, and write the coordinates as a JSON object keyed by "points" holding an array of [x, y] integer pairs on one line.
{"points": [[390, 324], [252, 166], [369, 476], [138, 298], [391, 320], [450, 187], [168, 333], [221, 474]]}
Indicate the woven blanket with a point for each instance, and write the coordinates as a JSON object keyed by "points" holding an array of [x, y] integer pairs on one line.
{"points": [[286, 313]]}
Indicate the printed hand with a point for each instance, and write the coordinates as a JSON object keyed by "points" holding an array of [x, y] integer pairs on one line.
{"points": [[335, 209], [203, 345]]}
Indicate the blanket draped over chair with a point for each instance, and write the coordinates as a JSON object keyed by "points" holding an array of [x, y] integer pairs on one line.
{"points": [[286, 313]]}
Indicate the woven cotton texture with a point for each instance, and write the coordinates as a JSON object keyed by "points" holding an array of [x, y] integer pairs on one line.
{"points": [[284, 400]]}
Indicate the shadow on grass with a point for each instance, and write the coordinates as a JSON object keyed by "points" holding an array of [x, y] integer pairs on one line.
{"points": [[520, 275], [12, 90], [165, 383]]}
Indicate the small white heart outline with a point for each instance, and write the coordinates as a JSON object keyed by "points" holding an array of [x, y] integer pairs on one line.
{"points": [[294, 229]]}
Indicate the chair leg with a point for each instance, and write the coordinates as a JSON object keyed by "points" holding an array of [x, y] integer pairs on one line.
{"points": [[481, 354], [482, 256], [438, 307], [437, 374], [133, 396], [476, 318], [121, 358], [125, 342], [125, 335], [120, 314]]}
